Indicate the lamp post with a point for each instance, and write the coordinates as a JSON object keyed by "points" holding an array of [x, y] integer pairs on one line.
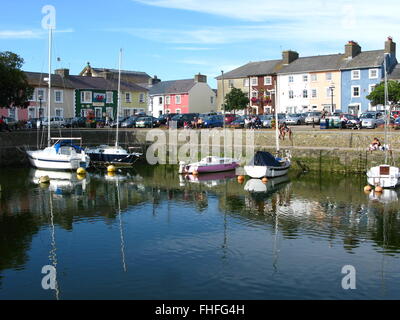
{"points": [[40, 112], [223, 94], [332, 88]]}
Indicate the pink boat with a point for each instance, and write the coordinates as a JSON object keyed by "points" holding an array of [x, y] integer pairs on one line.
{"points": [[209, 164]]}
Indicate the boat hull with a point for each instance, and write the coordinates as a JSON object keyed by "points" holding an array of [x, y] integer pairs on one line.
{"points": [[258, 172], [210, 168], [384, 176], [98, 158], [56, 162]]}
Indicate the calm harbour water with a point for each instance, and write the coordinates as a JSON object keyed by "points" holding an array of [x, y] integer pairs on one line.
{"points": [[148, 233]]}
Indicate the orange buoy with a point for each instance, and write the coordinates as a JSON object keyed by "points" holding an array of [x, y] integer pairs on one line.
{"points": [[195, 173], [264, 180], [367, 188], [240, 179], [379, 189]]}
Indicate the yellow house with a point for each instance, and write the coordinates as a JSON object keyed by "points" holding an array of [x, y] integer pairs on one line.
{"points": [[226, 86], [133, 99], [325, 89]]}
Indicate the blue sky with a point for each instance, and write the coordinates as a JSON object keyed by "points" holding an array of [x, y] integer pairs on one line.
{"points": [[175, 39]]}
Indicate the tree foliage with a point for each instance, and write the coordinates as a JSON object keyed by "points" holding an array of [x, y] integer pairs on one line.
{"points": [[236, 100], [377, 96], [14, 88]]}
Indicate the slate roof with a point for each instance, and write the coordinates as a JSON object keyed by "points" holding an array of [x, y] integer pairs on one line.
{"points": [[314, 63], [395, 74], [173, 86], [37, 79], [124, 72], [365, 59], [253, 69]]}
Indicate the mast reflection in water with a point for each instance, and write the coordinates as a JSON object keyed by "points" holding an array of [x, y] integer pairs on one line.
{"points": [[150, 233]]}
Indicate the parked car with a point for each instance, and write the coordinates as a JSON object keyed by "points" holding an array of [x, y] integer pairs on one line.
{"points": [[129, 122], [164, 118], [313, 117], [33, 123], [230, 117], [213, 121], [372, 119], [11, 123], [146, 122], [113, 124], [182, 118], [351, 121], [78, 122], [238, 123], [295, 118], [396, 124], [266, 120], [55, 122]]}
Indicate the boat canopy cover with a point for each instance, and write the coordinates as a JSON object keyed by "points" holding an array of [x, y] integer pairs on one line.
{"points": [[262, 158], [67, 143]]}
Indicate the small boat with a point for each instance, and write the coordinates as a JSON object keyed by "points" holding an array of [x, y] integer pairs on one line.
{"points": [[265, 164], [209, 164], [385, 176], [115, 155], [62, 155]]}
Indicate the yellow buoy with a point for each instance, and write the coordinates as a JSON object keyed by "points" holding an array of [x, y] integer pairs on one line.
{"points": [[367, 188], [44, 179], [111, 168], [378, 189], [264, 180], [81, 171]]}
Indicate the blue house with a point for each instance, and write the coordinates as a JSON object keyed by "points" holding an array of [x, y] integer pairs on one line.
{"points": [[361, 72]]}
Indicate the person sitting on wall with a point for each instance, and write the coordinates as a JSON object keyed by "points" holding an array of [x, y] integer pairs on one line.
{"points": [[375, 145], [283, 130]]}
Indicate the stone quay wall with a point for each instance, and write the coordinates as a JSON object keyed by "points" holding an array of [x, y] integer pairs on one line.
{"points": [[314, 150]]}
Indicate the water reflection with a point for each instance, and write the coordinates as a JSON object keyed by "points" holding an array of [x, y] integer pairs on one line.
{"points": [[329, 211]]}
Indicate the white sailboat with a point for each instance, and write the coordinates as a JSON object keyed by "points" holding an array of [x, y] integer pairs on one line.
{"points": [[265, 164], [62, 155], [116, 155], [385, 175]]}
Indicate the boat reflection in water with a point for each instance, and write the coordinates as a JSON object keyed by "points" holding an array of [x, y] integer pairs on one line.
{"points": [[386, 196], [209, 179], [256, 185], [61, 182]]}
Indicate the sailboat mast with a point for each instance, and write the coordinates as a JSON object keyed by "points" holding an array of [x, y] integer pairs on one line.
{"points": [[276, 118], [49, 91], [119, 96], [387, 112]]}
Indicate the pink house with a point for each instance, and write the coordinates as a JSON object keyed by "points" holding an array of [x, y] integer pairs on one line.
{"points": [[182, 96]]}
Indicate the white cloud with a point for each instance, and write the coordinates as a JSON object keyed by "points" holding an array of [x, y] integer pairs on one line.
{"points": [[28, 34], [306, 21]]}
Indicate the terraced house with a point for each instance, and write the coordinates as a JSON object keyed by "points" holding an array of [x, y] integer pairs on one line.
{"points": [[257, 80], [182, 96], [361, 72], [134, 87], [309, 83], [61, 101]]}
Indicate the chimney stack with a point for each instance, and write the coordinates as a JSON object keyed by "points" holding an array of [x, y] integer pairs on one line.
{"points": [[62, 72], [390, 46], [153, 81], [352, 49], [289, 56], [88, 70], [200, 78]]}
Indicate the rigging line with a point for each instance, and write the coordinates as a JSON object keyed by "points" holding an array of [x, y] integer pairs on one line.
{"points": [[120, 229], [53, 251]]}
